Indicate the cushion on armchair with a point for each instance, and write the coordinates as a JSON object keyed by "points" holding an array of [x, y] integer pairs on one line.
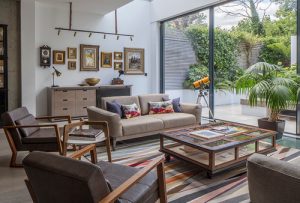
{"points": [[28, 120]]}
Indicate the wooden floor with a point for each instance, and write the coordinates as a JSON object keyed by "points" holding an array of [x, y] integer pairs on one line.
{"points": [[12, 186]]}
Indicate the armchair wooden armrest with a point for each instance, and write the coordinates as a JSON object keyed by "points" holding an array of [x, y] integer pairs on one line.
{"points": [[87, 149], [156, 163], [52, 117]]}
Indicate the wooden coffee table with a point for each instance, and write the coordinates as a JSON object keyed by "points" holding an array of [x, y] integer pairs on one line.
{"points": [[217, 154]]}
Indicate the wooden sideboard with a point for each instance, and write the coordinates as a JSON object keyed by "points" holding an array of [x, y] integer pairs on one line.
{"points": [[73, 101]]}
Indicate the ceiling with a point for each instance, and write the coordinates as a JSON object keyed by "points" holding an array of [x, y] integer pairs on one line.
{"points": [[93, 6]]}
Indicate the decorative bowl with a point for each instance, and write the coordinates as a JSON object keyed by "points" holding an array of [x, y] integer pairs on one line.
{"points": [[92, 81]]}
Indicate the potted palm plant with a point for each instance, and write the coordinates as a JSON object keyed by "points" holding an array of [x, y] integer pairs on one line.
{"points": [[263, 84]]}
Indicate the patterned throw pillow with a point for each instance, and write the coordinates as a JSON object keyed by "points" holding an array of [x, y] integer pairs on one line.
{"points": [[161, 107], [131, 111], [175, 102]]}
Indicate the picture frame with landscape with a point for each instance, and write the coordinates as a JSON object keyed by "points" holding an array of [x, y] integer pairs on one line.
{"points": [[118, 55], [118, 65], [106, 59], [89, 57], [59, 57], [72, 65], [134, 61]]}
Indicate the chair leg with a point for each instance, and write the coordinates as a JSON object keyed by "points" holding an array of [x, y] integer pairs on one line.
{"points": [[13, 149], [13, 159], [114, 144]]}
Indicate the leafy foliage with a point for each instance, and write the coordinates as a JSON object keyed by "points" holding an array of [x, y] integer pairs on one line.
{"points": [[264, 84]]}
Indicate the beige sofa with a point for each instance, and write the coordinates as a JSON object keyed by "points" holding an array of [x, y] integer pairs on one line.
{"points": [[123, 129]]}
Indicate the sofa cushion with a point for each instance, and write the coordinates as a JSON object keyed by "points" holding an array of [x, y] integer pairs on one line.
{"points": [[145, 99], [117, 174], [123, 100], [44, 135], [161, 107], [131, 111], [175, 102], [28, 120], [114, 107], [142, 124], [175, 120]]}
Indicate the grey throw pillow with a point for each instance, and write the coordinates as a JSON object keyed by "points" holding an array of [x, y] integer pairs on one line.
{"points": [[28, 120]]}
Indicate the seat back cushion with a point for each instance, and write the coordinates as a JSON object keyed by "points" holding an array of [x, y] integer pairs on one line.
{"points": [[28, 120], [145, 99], [114, 107], [56, 178], [123, 100], [9, 119]]}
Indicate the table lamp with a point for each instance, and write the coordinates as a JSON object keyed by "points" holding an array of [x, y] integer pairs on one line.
{"points": [[57, 73]]}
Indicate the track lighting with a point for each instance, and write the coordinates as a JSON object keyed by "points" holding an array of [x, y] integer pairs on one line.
{"points": [[58, 32], [90, 34], [118, 37], [75, 34], [131, 38], [104, 36]]}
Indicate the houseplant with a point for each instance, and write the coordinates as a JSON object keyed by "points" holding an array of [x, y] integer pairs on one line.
{"points": [[263, 83]]}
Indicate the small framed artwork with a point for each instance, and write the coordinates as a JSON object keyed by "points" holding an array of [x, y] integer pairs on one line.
{"points": [[118, 65], [134, 61], [59, 57], [118, 55], [106, 59], [72, 65], [89, 57], [72, 53]]}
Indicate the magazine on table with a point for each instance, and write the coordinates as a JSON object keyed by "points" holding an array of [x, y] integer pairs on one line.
{"points": [[206, 134], [85, 134]]}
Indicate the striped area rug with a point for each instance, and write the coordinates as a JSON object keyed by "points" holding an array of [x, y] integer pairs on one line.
{"points": [[186, 182]]}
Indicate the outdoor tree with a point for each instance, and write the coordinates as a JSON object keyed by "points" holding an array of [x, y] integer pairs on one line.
{"points": [[186, 21]]}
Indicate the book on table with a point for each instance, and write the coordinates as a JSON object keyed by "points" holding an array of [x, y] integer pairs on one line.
{"points": [[85, 134]]}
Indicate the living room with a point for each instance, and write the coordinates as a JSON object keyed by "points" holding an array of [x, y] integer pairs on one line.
{"points": [[149, 101]]}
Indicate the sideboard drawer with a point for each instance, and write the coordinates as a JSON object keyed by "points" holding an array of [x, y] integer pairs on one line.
{"points": [[64, 95], [85, 95], [61, 111]]}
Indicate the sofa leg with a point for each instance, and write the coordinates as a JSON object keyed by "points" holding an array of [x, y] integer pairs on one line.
{"points": [[114, 144]]}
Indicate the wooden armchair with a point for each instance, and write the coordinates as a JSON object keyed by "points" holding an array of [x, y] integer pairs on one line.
{"points": [[24, 133], [53, 178]]}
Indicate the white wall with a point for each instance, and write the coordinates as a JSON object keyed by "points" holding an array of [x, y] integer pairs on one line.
{"points": [[133, 18]]}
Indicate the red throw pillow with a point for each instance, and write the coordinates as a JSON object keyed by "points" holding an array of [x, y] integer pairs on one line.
{"points": [[161, 107], [131, 111]]}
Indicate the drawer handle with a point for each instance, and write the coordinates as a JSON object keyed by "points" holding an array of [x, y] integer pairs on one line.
{"points": [[85, 99], [85, 107], [84, 90], [65, 100], [65, 90], [65, 109]]}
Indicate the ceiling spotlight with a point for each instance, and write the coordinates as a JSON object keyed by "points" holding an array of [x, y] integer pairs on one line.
{"points": [[58, 32], [104, 36], [131, 38], [118, 37], [90, 34], [75, 34]]}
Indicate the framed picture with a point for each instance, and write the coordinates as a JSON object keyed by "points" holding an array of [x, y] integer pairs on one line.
{"points": [[134, 61], [118, 65], [72, 65], [59, 57], [72, 53], [106, 59], [118, 55], [89, 57]]}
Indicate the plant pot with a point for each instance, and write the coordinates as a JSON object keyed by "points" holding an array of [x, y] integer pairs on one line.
{"points": [[277, 126]]}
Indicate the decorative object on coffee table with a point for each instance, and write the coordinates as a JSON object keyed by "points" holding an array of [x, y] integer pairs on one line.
{"points": [[45, 56], [118, 55], [106, 59], [59, 57], [134, 61], [221, 153], [92, 81], [89, 57], [263, 84], [72, 65], [72, 53]]}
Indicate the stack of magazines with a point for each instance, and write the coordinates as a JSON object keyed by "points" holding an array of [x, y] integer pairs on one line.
{"points": [[85, 134]]}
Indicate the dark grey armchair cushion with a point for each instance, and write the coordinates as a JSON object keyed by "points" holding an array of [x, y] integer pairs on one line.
{"points": [[60, 179], [272, 181], [44, 135], [28, 120]]}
